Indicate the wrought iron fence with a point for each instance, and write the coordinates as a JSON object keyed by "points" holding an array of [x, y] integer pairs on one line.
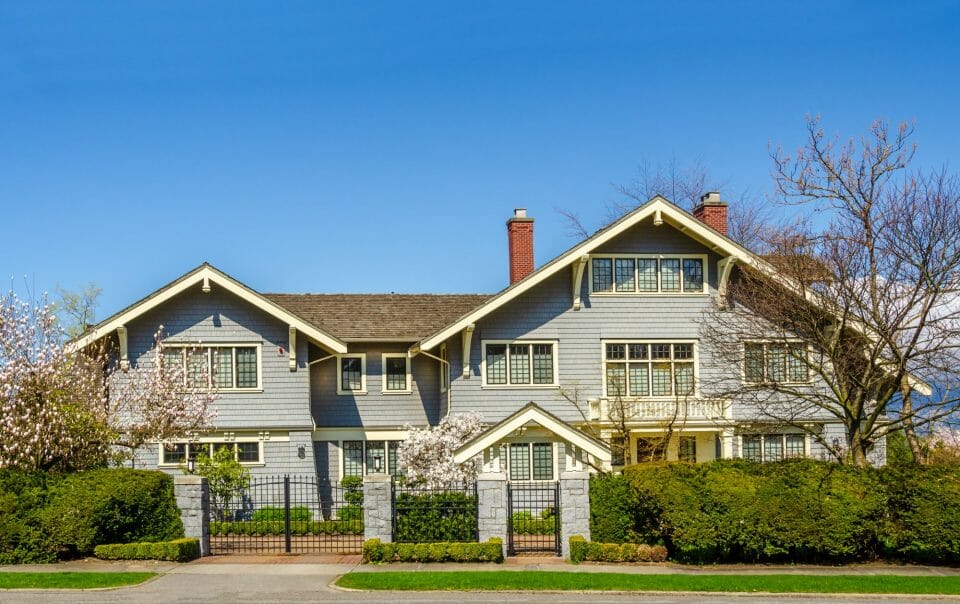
{"points": [[533, 517], [435, 514]]}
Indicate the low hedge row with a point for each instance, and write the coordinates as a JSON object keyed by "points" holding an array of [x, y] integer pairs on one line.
{"points": [[591, 551], [435, 517], [328, 527], [525, 523], [375, 551], [178, 550], [796, 511], [298, 513]]}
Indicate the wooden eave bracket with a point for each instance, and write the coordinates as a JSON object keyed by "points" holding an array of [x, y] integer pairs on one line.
{"points": [[293, 348], [725, 265], [124, 351], [578, 270], [467, 337]]}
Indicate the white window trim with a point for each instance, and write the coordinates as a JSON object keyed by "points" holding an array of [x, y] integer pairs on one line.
{"points": [[529, 442], [363, 373], [695, 360], [363, 457], [383, 373], [185, 345], [706, 274], [508, 385], [763, 444], [207, 443], [765, 342]]}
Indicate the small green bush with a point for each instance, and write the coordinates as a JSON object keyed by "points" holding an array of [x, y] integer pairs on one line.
{"points": [[613, 509], [375, 551], [300, 527], [582, 550], [924, 521], [297, 514], [353, 490], [525, 523], [434, 517], [178, 550], [22, 538]]}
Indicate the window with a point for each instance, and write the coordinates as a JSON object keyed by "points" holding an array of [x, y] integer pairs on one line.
{"points": [[360, 457], [775, 362], [444, 369], [649, 369], [531, 461], [618, 450], [651, 449], [351, 378], [519, 364], [396, 373], [220, 367], [178, 453], [648, 274], [772, 447], [687, 449]]}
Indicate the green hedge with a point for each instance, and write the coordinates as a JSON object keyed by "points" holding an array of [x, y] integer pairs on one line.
{"points": [[178, 550], [796, 511], [273, 514], [434, 517], [329, 527], [374, 551], [525, 523], [44, 517], [591, 551]]}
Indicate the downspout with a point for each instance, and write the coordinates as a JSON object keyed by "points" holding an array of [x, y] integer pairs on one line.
{"points": [[415, 351]]}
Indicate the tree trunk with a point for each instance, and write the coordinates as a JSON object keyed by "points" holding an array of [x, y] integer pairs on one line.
{"points": [[909, 430]]}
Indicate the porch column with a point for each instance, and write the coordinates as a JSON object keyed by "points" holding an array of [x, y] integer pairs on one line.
{"points": [[574, 508], [492, 506]]}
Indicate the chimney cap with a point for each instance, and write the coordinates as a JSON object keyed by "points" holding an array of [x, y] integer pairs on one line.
{"points": [[711, 198], [519, 215]]}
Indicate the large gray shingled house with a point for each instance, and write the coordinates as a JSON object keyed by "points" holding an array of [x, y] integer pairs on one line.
{"points": [[326, 383]]}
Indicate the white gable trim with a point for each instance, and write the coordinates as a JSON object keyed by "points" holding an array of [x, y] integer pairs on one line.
{"points": [[204, 276], [531, 413]]}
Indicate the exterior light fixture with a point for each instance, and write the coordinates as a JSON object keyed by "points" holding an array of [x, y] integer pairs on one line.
{"points": [[377, 463], [191, 465], [301, 452]]}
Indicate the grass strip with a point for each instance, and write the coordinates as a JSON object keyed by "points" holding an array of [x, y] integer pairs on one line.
{"points": [[586, 581], [70, 580]]}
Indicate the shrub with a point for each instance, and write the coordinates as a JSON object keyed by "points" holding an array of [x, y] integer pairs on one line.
{"points": [[375, 551], [434, 517], [274, 527], [524, 523], [22, 539], [582, 550], [178, 550], [924, 521], [613, 508], [297, 514]]}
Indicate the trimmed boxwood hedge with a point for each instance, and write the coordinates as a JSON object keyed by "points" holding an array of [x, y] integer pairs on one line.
{"points": [[178, 550], [298, 513], [375, 551], [434, 517], [591, 551], [329, 527], [796, 511]]}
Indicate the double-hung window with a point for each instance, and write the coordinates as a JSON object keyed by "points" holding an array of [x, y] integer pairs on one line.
{"points": [[649, 369], [530, 461], [224, 367], [763, 448], [396, 373], [775, 362], [519, 364], [176, 453], [640, 274], [370, 457], [352, 374]]}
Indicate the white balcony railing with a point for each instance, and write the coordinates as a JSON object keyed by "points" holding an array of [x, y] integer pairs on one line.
{"points": [[659, 409]]}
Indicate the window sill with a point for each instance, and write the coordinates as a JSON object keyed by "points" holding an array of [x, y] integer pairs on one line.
{"points": [[246, 464], [350, 392], [652, 294], [519, 386], [400, 392]]}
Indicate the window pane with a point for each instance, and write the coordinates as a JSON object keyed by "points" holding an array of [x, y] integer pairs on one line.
{"points": [[773, 447], [542, 461], [683, 351], [797, 363], [660, 351], [661, 379], [247, 367], [375, 450], [174, 452], [519, 461], [776, 362], [650, 449], [692, 275], [602, 274], [687, 450], [639, 379], [638, 351], [625, 275], [753, 363], [353, 458], [396, 373], [173, 359], [519, 363], [197, 368], [223, 367], [795, 445], [351, 373], [496, 363], [392, 447], [616, 379], [685, 381], [217, 447], [616, 352], [618, 450], [195, 449], [543, 364], [248, 452], [647, 271], [670, 275], [751, 448]]}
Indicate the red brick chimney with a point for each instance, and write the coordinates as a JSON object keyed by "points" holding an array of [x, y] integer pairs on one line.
{"points": [[520, 241], [712, 212]]}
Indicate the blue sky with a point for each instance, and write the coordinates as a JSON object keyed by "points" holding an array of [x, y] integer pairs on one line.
{"points": [[355, 147]]}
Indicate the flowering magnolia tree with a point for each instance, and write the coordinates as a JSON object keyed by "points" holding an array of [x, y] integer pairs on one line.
{"points": [[427, 455], [56, 410]]}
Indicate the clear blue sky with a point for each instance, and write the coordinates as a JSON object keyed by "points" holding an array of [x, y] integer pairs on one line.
{"points": [[353, 147]]}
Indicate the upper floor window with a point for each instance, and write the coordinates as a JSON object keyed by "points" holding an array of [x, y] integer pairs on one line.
{"points": [[649, 369], [648, 274], [352, 374], [396, 373], [779, 362], [772, 447], [519, 363], [224, 367]]}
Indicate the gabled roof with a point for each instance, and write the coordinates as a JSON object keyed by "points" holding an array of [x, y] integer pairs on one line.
{"points": [[657, 208], [531, 412], [204, 275], [379, 317]]}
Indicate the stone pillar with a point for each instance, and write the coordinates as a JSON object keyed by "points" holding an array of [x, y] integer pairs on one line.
{"points": [[193, 499], [574, 508], [492, 506], [378, 507]]}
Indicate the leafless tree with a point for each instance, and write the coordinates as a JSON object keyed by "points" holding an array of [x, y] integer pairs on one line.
{"points": [[77, 309], [858, 319]]}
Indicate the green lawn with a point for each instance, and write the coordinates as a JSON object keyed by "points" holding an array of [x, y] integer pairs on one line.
{"points": [[68, 580], [582, 581]]}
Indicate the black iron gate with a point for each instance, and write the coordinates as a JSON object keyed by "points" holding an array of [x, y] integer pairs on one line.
{"points": [[287, 514], [533, 518]]}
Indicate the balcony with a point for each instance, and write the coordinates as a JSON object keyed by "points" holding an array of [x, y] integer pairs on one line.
{"points": [[663, 410]]}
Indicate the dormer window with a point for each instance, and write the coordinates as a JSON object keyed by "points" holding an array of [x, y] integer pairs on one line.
{"points": [[648, 274]]}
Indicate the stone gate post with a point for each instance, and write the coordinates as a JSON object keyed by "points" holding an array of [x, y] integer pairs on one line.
{"points": [[574, 508], [492, 506], [193, 498], [378, 507]]}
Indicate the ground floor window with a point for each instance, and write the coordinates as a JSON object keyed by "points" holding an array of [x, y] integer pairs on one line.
{"points": [[370, 457], [772, 447], [177, 453], [651, 449], [687, 449], [530, 461]]}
